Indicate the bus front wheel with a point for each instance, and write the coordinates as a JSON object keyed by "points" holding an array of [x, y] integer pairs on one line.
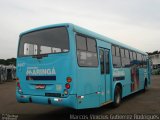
{"points": [[117, 96]]}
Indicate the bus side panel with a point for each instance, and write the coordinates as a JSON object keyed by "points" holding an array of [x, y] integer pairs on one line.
{"points": [[126, 82], [87, 85], [73, 59], [141, 78], [126, 89], [89, 101]]}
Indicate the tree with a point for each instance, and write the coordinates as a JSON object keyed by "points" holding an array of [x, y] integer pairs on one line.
{"points": [[11, 61]]}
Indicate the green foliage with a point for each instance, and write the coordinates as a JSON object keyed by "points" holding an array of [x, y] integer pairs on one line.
{"points": [[11, 61]]}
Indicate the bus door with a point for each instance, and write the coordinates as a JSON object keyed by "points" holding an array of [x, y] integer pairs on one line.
{"points": [[105, 79]]}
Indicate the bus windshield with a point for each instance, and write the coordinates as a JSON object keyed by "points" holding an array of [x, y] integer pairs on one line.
{"points": [[46, 41]]}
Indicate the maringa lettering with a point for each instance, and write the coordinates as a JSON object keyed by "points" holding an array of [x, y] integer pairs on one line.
{"points": [[40, 72]]}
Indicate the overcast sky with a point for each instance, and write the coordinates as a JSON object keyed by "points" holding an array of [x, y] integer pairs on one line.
{"points": [[134, 22]]}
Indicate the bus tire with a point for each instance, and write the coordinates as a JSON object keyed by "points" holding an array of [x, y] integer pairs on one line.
{"points": [[145, 85], [117, 96]]}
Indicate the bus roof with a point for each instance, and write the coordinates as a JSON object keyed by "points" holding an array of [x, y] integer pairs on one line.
{"points": [[89, 33]]}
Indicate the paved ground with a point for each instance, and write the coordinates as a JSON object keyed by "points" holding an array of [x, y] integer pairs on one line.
{"points": [[139, 103]]}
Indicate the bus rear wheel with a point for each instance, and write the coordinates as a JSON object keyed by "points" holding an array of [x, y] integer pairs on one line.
{"points": [[145, 86], [117, 96]]}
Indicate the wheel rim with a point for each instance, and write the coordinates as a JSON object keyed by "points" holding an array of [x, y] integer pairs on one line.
{"points": [[145, 86], [118, 98]]}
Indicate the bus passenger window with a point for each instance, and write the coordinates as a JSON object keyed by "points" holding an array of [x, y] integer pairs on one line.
{"points": [[113, 50], [116, 60], [91, 45], [122, 57], [81, 43], [86, 51], [126, 53], [117, 52], [125, 57], [145, 62], [139, 59], [107, 62], [134, 56], [122, 53], [131, 55], [102, 61]]}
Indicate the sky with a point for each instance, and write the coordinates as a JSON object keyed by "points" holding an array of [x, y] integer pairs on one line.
{"points": [[133, 22]]}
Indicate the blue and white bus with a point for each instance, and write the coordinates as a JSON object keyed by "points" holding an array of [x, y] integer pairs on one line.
{"points": [[66, 65]]}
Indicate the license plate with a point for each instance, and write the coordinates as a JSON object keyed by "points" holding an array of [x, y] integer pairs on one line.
{"points": [[40, 86]]}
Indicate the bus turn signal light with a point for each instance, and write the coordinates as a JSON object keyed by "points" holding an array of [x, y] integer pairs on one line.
{"points": [[69, 79]]}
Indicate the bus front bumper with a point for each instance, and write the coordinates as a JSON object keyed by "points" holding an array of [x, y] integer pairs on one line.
{"points": [[69, 101]]}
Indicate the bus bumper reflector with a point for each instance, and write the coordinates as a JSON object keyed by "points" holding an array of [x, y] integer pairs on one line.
{"points": [[57, 99], [98, 92], [80, 97], [22, 96]]}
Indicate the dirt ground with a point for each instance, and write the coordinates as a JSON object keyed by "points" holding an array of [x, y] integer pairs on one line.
{"points": [[138, 103]]}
